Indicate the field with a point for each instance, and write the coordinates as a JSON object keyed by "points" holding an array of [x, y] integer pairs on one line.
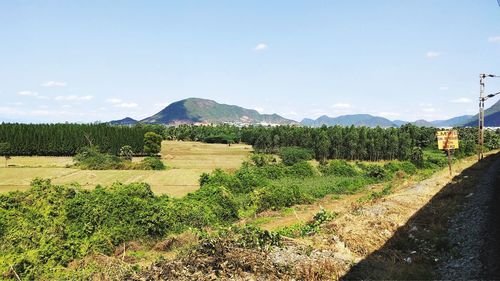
{"points": [[185, 161]]}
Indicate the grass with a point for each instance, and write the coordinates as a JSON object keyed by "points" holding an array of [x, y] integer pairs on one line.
{"points": [[186, 161]]}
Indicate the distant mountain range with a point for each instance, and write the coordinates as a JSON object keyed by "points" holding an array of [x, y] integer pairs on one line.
{"points": [[348, 120], [203, 111]]}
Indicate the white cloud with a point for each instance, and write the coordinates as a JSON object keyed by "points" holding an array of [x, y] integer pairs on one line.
{"points": [[341, 105], [28, 93], [53, 84], [423, 104], [432, 55], [462, 100], [261, 47], [388, 114], [494, 39], [259, 109], [73, 98], [429, 109], [120, 103], [32, 94], [444, 88], [114, 100], [127, 104]]}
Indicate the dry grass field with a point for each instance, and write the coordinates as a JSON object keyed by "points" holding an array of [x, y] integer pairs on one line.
{"points": [[185, 161]]}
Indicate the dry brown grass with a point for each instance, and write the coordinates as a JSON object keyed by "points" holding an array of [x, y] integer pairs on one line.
{"points": [[186, 161]]}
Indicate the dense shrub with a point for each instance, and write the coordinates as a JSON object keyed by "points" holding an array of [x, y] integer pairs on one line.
{"points": [[48, 226], [278, 195], [151, 163], [225, 139], [292, 155], [339, 168], [301, 170], [373, 170], [92, 159], [404, 166], [220, 178], [261, 159]]}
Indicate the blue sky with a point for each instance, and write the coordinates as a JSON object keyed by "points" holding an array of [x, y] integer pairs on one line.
{"points": [[82, 61]]}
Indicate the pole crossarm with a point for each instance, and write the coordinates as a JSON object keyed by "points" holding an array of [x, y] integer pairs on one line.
{"points": [[489, 96]]}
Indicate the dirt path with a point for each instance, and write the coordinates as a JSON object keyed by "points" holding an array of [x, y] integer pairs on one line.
{"points": [[434, 229], [474, 233]]}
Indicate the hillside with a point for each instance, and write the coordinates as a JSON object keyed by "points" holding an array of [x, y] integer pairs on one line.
{"points": [[127, 121], [452, 122], [196, 110], [348, 120], [491, 117]]}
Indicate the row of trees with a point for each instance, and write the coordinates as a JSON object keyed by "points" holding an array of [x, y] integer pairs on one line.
{"points": [[66, 139], [337, 142]]}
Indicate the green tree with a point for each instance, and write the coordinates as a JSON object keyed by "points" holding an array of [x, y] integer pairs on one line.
{"points": [[5, 151], [417, 156], [126, 153], [152, 143], [321, 146]]}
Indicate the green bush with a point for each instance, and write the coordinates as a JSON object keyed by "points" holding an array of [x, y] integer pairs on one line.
{"points": [[261, 159], [293, 154], [152, 163], [373, 170], [220, 178], [405, 166], [279, 195], [339, 168], [48, 226], [225, 139], [301, 170], [92, 159]]}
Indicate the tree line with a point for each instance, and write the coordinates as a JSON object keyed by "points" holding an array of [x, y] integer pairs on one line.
{"points": [[66, 139], [336, 142]]}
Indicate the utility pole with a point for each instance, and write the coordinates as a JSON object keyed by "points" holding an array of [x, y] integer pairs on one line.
{"points": [[482, 98]]}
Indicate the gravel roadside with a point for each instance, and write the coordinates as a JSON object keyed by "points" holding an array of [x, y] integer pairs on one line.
{"points": [[473, 233]]}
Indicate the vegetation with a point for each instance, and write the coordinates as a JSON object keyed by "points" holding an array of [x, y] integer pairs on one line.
{"points": [[90, 158], [337, 142], [85, 222], [45, 228], [5, 151], [292, 155], [152, 143], [66, 139]]}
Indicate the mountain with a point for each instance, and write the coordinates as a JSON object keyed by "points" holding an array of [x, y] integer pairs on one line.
{"points": [[422, 123], [348, 120], [127, 121], [400, 123], [452, 122], [491, 117], [196, 110]]}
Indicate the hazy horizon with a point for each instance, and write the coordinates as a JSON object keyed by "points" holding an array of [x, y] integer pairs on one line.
{"points": [[93, 61]]}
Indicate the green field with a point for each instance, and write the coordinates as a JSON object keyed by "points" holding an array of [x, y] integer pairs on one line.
{"points": [[185, 161]]}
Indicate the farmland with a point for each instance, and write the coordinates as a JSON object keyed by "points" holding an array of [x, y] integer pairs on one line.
{"points": [[186, 161]]}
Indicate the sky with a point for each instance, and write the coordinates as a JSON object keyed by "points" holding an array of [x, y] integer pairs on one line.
{"points": [[92, 60]]}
